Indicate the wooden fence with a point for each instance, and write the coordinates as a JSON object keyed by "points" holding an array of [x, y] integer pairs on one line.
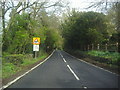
{"points": [[103, 47]]}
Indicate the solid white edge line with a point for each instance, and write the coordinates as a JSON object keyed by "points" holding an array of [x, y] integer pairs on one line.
{"points": [[98, 67], [92, 64], [73, 72], [8, 84]]}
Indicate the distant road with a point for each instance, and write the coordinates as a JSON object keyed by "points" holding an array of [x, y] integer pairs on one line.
{"points": [[62, 70]]}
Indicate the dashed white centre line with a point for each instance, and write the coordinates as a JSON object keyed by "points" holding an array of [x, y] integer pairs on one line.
{"points": [[64, 60], [69, 67], [85, 87], [73, 72]]}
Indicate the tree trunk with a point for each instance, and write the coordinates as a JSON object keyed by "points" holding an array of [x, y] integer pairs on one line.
{"points": [[118, 23], [119, 42], [3, 15]]}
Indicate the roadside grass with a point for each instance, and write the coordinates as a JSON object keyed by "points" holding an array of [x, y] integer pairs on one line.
{"points": [[27, 62], [9, 69], [0, 67], [113, 56], [0, 72]]}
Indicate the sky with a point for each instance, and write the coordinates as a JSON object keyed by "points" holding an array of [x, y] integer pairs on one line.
{"points": [[79, 4]]}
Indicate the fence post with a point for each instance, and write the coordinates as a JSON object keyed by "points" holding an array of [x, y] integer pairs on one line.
{"points": [[83, 48], [98, 46], [92, 46], [88, 47], [117, 46], [106, 47]]}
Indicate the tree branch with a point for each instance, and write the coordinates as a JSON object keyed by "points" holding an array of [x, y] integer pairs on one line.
{"points": [[25, 7], [7, 9]]}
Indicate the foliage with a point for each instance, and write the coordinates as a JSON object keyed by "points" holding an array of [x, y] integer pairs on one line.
{"points": [[84, 28], [23, 25], [114, 11], [53, 39], [113, 56], [23, 29], [17, 36], [114, 38], [15, 59], [9, 68]]}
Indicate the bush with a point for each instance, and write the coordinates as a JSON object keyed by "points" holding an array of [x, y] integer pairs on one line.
{"points": [[108, 57], [15, 59], [117, 62]]}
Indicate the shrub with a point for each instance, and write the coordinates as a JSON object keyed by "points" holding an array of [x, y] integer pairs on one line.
{"points": [[15, 59], [108, 57]]}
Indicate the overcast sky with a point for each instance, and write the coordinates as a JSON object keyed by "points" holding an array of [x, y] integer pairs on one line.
{"points": [[77, 3], [80, 4]]}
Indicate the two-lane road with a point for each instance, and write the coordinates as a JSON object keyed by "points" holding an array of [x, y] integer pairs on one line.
{"points": [[62, 70]]}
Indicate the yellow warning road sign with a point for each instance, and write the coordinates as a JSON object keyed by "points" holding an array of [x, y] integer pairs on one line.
{"points": [[36, 41]]}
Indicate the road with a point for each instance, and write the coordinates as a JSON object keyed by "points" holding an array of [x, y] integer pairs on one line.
{"points": [[62, 70]]}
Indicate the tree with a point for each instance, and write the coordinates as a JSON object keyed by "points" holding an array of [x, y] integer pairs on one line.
{"points": [[105, 6], [28, 20], [17, 35], [84, 28]]}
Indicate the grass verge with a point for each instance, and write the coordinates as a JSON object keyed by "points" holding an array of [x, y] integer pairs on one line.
{"points": [[113, 57], [9, 69], [108, 55]]}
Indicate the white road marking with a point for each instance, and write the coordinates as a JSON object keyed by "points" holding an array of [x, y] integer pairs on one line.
{"points": [[85, 87], [93, 64], [61, 55], [73, 72], [98, 67], [69, 67], [64, 60], [8, 84]]}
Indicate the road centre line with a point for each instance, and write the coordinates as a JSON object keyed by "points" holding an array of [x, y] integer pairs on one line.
{"points": [[8, 84], [61, 55], [64, 60], [70, 68], [73, 72], [85, 87]]}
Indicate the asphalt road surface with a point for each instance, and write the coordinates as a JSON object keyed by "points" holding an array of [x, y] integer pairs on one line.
{"points": [[62, 70]]}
